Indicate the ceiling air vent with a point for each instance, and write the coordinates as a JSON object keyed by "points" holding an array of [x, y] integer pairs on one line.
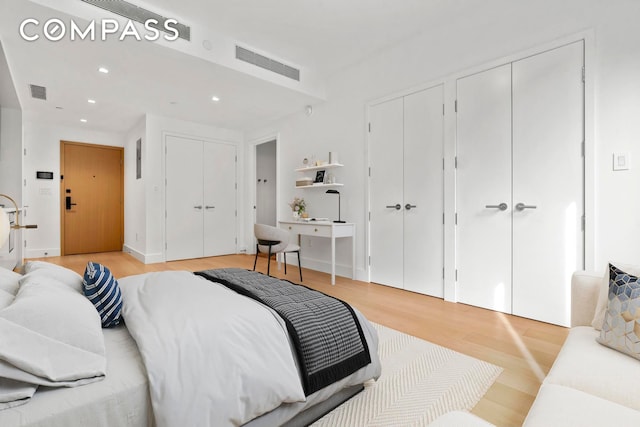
{"points": [[38, 92], [267, 63], [138, 14]]}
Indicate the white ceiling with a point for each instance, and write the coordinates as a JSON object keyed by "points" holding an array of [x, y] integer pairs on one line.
{"points": [[145, 77]]}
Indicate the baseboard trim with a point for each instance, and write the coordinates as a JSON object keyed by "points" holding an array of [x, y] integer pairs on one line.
{"points": [[143, 258], [41, 253], [325, 267]]}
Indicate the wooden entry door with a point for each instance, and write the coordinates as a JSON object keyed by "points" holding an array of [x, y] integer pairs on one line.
{"points": [[91, 198]]}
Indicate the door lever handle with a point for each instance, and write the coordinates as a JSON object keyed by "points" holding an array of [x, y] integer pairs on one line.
{"points": [[502, 206], [396, 207], [68, 203], [409, 206], [522, 206]]}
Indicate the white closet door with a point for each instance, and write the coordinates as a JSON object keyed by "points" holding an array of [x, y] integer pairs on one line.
{"points": [[184, 225], [483, 178], [548, 174], [385, 159], [423, 188], [219, 199]]}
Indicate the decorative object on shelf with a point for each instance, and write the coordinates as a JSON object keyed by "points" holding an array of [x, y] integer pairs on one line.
{"points": [[338, 193], [303, 182], [333, 157], [330, 178], [305, 162], [298, 207], [317, 181], [5, 225]]}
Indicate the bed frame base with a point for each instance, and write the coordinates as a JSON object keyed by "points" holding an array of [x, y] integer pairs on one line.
{"points": [[316, 412]]}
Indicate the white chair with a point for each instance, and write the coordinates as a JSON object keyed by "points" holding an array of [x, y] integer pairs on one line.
{"points": [[273, 240]]}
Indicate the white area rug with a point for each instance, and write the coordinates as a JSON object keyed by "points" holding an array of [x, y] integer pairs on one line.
{"points": [[420, 381]]}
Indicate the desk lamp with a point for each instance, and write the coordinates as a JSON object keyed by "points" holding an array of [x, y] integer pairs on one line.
{"points": [[338, 193]]}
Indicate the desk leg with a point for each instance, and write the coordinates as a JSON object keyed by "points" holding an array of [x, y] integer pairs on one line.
{"points": [[353, 255], [333, 260]]}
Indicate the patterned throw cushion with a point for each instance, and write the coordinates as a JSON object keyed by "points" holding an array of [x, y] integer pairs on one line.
{"points": [[102, 290], [621, 328]]}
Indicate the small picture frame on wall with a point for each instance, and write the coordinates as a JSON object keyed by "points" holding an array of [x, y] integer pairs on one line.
{"points": [[319, 177]]}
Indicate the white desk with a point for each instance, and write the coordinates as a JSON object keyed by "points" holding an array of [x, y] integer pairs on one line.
{"points": [[330, 230]]}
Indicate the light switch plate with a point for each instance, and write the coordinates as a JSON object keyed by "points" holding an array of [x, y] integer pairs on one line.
{"points": [[621, 161]]}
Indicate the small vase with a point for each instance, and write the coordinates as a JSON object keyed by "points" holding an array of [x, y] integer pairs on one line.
{"points": [[296, 215]]}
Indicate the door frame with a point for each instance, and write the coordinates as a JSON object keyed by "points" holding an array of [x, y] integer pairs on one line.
{"points": [[449, 81], [63, 143], [401, 94], [250, 218], [239, 195]]}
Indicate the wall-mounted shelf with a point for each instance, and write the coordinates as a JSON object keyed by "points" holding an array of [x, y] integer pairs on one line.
{"points": [[318, 168], [335, 184]]}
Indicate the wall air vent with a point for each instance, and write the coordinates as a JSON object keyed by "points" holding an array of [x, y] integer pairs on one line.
{"points": [[267, 63], [38, 92], [138, 14]]}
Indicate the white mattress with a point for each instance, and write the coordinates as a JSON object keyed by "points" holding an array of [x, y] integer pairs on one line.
{"points": [[121, 399]]}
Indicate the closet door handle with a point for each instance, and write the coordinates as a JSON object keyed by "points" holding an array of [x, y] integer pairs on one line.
{"points": [[502, 206], [197, 207], [209, 207], [522, 206], [397, 206], [408, 206]]}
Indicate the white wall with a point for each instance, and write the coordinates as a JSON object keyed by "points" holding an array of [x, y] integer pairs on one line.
{"points": [[42, 142], [11, 168], [10, 154], [465, 41], [135, 212], [153, 172]]}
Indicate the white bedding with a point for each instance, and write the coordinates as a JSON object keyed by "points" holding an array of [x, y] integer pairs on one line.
{"points": [[121, 399], [213, 357]]}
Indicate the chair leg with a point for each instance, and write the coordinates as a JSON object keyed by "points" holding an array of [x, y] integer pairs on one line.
{"points": [[256, 258], [299, 266], [284, 254], [269, 262]]}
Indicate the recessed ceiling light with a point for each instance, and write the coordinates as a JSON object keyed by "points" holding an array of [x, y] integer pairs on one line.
{"points": [[91, 101], [83, 120], [103, 70], [215, 98]]}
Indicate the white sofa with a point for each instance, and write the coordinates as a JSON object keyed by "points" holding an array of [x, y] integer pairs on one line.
{"points": [[589, 384]]}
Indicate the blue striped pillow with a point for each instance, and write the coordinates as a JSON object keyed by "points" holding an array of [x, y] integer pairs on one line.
{"points": [[102, 289]]}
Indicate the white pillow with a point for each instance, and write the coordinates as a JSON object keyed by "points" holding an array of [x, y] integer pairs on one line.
{"points": [[603, 296], [51, 336], [61, 274]]}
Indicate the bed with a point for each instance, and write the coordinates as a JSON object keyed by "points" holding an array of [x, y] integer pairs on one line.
{"points": [[165, 369]]}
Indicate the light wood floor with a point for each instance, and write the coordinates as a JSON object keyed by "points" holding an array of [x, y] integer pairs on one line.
{"points": [[524, 348]]}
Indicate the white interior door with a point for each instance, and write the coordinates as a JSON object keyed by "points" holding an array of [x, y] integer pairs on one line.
{"points": [[483, 178], [219, 199], [184, 205], [386, 162], [548, 130], [423, 192]]}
